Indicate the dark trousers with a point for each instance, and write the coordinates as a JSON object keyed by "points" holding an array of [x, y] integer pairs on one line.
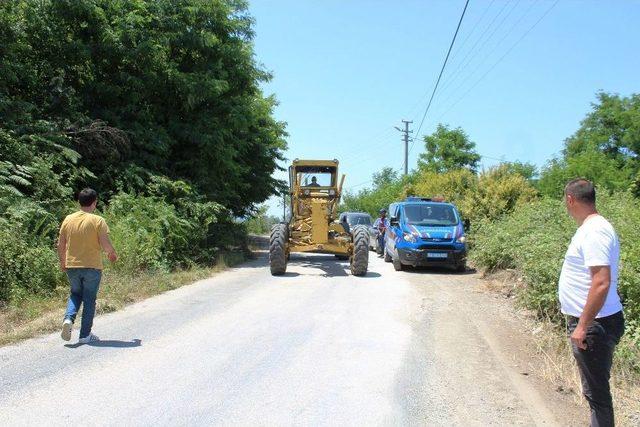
{"points": [[595, 362], [380, 238]]}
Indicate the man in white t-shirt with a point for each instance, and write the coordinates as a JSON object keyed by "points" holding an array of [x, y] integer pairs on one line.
{"points": [[589, 297]]}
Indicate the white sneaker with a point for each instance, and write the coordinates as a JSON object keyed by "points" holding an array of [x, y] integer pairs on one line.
{"points": [[89, 339], [67, 325]]}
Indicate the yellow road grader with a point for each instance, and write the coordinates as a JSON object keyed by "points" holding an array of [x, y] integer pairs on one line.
{"points": [[315, 194]]}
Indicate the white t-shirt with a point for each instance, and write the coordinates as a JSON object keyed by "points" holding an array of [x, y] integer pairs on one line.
{"points": [[595, 243]]}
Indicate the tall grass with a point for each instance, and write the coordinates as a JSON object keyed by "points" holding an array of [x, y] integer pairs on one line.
{"points": [[149, 233]]}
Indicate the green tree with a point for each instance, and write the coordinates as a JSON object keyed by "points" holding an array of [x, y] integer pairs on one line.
{"points": [[448, 149], [526, 170], [612, 127], [385, 177], [387, 187], [604, 149], [260, 222], [170, 88], [157, 104]]}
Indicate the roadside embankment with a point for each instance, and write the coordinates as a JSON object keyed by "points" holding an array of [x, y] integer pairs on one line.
{"points": [[41, 314], [521, 256]]}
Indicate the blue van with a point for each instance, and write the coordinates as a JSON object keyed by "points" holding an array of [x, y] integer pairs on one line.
{"points": [[425, 232]]}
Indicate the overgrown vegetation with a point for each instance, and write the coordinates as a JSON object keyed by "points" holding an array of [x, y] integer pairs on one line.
{"points": [[533, 241], [487, 195], [155, 105]]}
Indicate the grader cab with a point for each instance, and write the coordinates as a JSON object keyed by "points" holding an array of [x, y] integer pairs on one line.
{"points": [[315, 194]]}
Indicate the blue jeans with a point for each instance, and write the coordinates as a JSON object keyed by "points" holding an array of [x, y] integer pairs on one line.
{"points": [[84, 290]]}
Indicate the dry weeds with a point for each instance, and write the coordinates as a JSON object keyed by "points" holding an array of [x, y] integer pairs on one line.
{"points": [[41, 315]]}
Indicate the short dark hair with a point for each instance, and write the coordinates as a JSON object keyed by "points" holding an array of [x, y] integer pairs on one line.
{"points": [[87, 196], [582, 190]]}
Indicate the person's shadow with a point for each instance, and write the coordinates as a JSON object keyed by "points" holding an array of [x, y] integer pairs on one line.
{"points": [[109, 343]]}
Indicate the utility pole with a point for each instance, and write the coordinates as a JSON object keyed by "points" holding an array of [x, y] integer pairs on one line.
{"points": [[406, 133]]}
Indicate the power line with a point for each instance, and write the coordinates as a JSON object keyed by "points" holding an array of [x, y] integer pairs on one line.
{"points": [[490, 54], [370, 152], [501, 58], [473, 53], [424, 95], [382, 141], [444, 64], [378, 138], [358, 185], [473, 29]]}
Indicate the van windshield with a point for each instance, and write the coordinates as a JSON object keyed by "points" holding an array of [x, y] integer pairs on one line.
{"points": [[434, 215]]}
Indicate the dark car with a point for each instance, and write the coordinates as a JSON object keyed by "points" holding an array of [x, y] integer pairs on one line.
{"points": [[350, 219]]}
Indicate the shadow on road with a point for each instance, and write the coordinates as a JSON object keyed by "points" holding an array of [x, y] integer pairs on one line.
{"points": [[109, 343], [329, 264], [290, 274], [372, 274]]}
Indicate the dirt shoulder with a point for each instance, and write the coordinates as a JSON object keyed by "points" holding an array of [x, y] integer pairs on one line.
{"points": [[482, 337], [548, 358]]}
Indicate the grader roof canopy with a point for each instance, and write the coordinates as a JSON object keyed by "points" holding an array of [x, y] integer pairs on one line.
{"points": [[315, 169], [298, 163]]}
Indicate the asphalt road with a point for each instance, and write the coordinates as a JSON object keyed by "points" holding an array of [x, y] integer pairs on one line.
{"points": [[314, 347]]}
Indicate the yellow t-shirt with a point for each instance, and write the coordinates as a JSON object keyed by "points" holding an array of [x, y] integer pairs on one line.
{"points": [[81, 229]]}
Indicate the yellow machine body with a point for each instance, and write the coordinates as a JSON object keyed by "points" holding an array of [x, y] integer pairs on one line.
{"points": [[315, 194]]}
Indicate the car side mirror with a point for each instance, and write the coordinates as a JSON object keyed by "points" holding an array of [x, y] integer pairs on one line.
{"points": [[466, 224], [395, 221]]}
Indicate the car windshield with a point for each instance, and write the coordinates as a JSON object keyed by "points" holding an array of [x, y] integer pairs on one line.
{"points": [[359, 219], [430, 214]]}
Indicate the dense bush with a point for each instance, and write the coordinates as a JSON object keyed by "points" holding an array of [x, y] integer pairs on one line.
{"points": [[26, 267], [488, 195], [534, 239], [149, 233]]}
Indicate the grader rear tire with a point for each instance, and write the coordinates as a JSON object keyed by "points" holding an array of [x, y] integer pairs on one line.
{"points": [[278, 249], [360, 257]]}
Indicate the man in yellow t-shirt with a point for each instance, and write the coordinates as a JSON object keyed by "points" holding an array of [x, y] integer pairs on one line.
{"points": [[83, 236]]}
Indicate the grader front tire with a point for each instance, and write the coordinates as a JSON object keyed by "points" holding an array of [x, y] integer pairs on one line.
{"points": [[360, 256], [278, 249]]}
